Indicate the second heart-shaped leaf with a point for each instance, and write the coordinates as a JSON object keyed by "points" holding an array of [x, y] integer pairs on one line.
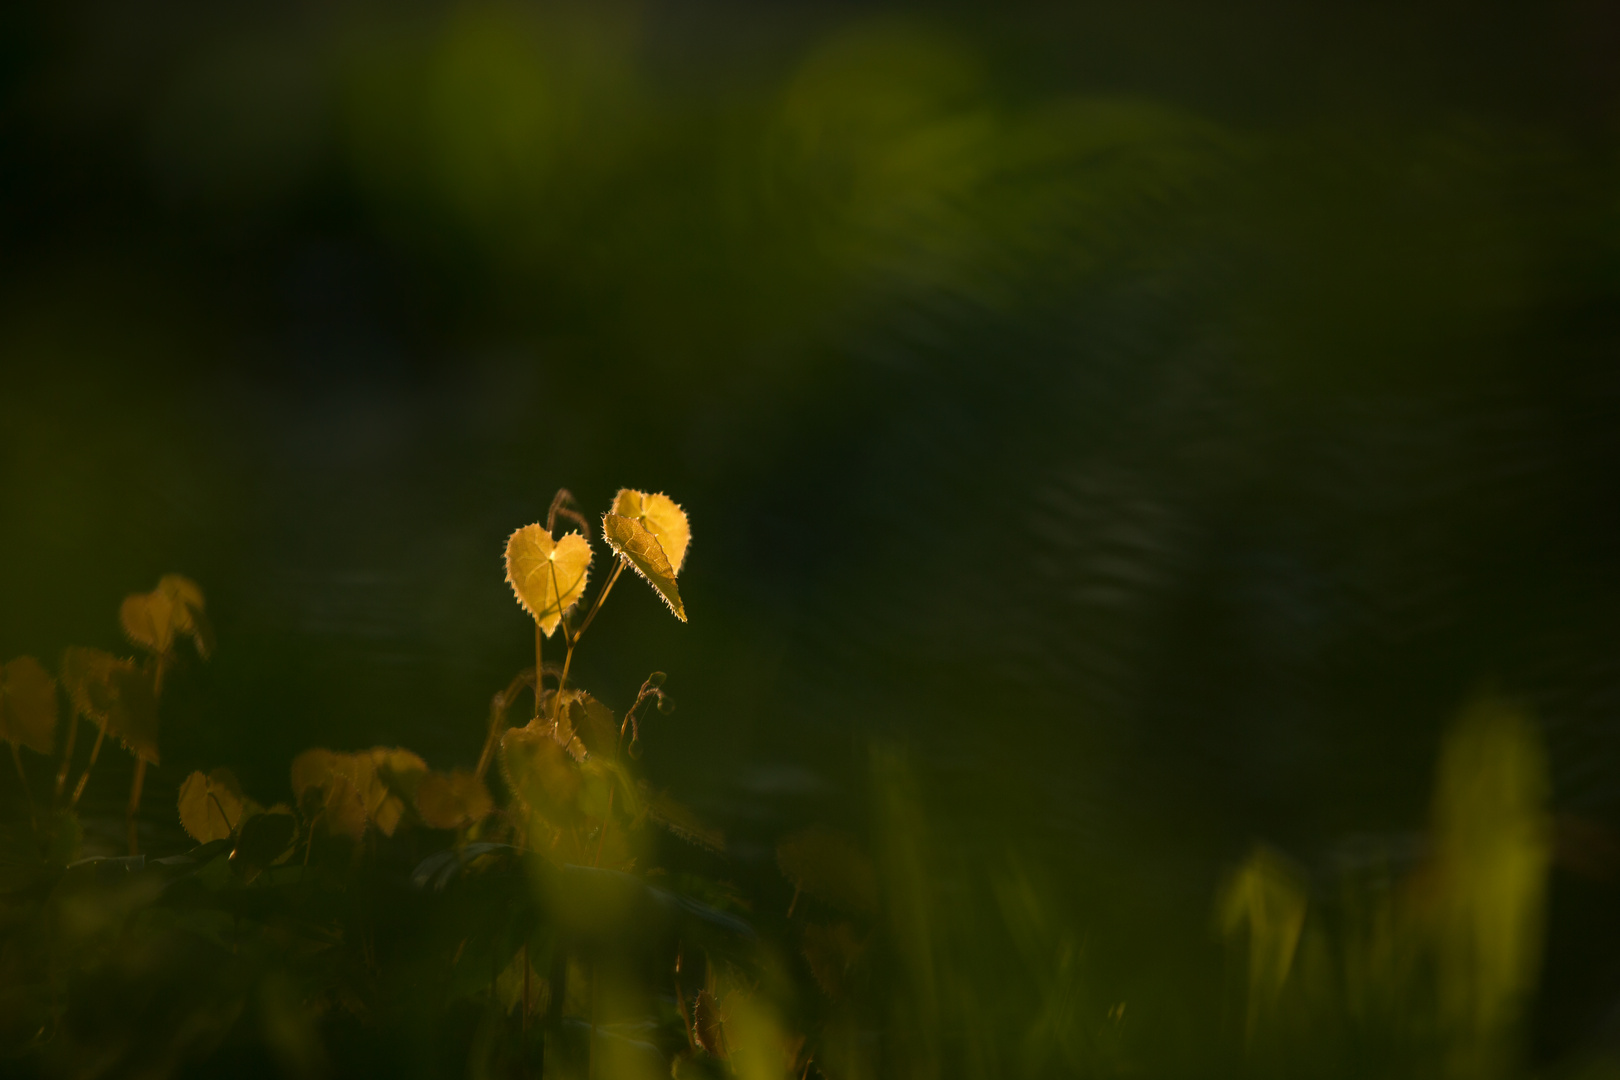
{"points": [[547, 575], [630, 540]]}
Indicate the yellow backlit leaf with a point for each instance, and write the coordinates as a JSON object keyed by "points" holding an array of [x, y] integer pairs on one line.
{"points": [[661, 516], [211, 805], [27, 704], [452, 800], [831, 867], [631, 541], [547, 576]]}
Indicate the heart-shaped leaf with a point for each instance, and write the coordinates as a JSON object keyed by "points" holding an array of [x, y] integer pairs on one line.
{"points": [[547, 575], [151, 620], [211, 805], [631, 541], [87, 676], [452, 800], [27, 704], [661, 516]]}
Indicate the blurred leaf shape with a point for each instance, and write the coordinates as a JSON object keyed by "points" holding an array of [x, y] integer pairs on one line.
{"points": [[548, 576], [211, 805], [831, 867], [1492, 847], [830, 951], [87, 676], [590, 722], [27, 704], [176, 606], [346, 792], [519, 978], [452, 800], [631, 541], [398, 773], [661, 516], [1264, 898], [708, 1034], [538, 771], [132, 711], [683, 822]]}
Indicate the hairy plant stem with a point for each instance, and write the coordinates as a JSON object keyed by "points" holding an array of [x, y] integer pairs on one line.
{"points": [[135, 804], [539, 668], [600, 597], [95, 750], [67, 756]]}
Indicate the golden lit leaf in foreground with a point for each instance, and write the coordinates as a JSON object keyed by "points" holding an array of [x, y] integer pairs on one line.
{"points": [[831, 867], [547, 576], [211, 805], [27, 704], [631, 541], [661, 516], [452, 800]]}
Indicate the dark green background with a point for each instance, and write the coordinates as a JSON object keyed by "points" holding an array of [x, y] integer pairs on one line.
{"points": [[1156, 419]]}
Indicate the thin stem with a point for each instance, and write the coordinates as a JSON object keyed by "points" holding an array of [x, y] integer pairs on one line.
{"points": [[28, 795], [78, 789], [525, 988], [135, 803], [67, 755], [562, 680], [221, 808], [601, 840], [600, 597], [539, 668], [497, 718]]}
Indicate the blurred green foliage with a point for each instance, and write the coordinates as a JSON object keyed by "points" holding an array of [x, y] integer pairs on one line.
{"points": [[1125, 433]]}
